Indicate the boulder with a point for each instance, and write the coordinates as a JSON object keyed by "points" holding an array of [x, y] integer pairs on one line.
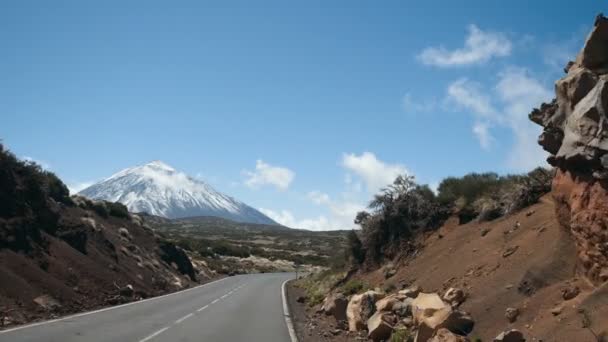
{"points": [[431, 313], [570, 292], [360, 308], [403, 308], [425, 305], [444, 335], [411, 292], [387, 303], [512, 335], [126, 291], [380, 326], [511, 314], [454, 296], [47, 302], [335, 305]]}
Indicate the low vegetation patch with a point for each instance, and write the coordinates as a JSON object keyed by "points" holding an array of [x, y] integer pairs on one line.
{"points": [[405, 209]]}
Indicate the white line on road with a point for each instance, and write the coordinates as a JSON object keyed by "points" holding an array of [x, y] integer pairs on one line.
{"points": [[184, 318], [224, 296], [108, 308], [215, 301], [292, 332], [154, 335], [203, 308]]}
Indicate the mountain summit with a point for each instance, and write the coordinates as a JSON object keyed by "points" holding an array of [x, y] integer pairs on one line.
{"points": [[158, 189]]}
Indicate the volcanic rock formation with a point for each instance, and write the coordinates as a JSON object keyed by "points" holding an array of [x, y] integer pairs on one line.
{"points": [[576, 136]]}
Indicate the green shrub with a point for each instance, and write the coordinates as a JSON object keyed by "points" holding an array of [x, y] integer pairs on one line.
{"points": [[117, 209], [354, 286], [315, 298], [401, 335], [100, 208]]}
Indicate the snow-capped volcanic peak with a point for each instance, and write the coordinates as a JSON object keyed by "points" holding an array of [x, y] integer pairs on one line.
{"points": [[159, 189]]}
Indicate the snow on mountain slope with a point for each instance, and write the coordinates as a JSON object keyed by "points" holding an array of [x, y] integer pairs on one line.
{"points": [[159, 189]]}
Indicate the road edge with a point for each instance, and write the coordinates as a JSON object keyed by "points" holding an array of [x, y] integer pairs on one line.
{"points": [[286, 314], [107, 308]]}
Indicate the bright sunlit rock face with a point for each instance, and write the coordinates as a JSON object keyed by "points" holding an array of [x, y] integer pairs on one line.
{"points": [[158, 189]]}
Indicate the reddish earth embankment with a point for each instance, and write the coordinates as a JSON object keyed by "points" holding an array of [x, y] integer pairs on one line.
{"points": [[525, 261]]}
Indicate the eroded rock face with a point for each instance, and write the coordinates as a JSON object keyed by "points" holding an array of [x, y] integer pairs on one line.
{"points": [[575, 133]]}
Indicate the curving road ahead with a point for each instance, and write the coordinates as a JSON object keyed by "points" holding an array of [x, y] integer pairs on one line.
{"points": [[239, 308]]}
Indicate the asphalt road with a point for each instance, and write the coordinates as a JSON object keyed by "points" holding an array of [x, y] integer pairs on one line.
{"points": [[239, 308]]}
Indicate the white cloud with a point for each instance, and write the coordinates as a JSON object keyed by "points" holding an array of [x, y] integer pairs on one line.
{"points": [[468, 94], [482, 132], [286, 218], [42, 163], [79, 186], [519, 93], [508, 105], [342, 215], [318, 197], [375, 173], [411, 105], [479, 47], [266, 174]]}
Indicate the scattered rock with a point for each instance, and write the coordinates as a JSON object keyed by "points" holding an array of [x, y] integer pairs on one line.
{"points": [[530, 213], [126, 291], [425, 305], [408, 321], [511, 314], [455, 321], [411, 292], [557, 310], [510, 251], [389, 272], [47, 302], [360, 308], [454, 296], [387, 303], [403, 308], [512, 335], [444, 335], [124, 232], [335, 305], [570, 292], [485, 231], [380, 326], [301, 299]]}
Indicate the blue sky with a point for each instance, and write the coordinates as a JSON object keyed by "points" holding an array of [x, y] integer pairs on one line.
{"points": [[303, 109]]}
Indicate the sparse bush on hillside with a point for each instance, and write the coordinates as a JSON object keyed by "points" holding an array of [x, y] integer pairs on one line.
{"points": [[355, 249], [405, 209], [353, 286], [399, 212], [487, 196], [28, 200], [117, 209]]}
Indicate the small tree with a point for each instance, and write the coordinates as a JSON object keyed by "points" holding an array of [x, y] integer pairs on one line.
{"points": [[355, 247]]}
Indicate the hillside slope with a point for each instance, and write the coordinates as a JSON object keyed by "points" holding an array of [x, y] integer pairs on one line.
{"points": [[60, 255], [158, 189], [476, 257]]}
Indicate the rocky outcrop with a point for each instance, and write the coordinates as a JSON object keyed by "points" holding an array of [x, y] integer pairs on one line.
{"points": [[575, 133]]}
